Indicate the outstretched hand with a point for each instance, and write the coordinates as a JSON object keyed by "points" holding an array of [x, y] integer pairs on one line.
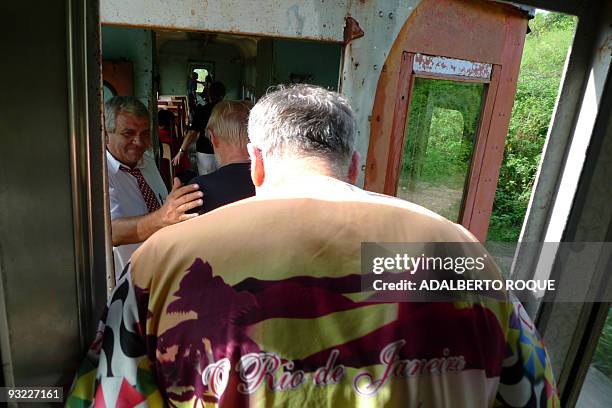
{"points": [[177, 159], [179, 201]]}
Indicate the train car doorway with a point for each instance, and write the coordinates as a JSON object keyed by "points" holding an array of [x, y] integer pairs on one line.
{"points": [[157, 66]]}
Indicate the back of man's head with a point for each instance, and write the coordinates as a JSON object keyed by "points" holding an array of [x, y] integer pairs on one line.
{"points": [[118, 105], [301, 121], [228, 121]]}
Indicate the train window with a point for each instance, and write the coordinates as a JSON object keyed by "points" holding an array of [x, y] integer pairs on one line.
{"points": [[439, 141], [203, 73], [440, 131]]}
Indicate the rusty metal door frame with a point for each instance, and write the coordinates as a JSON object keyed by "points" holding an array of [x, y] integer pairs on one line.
{"points": [[415, 65]]}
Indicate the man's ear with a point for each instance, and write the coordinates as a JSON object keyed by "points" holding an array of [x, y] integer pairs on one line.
{"points": [[258, 172], [353, 170], [213, 138]]}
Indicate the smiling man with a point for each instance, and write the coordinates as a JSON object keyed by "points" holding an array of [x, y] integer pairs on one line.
{"points": [[139, 201]]}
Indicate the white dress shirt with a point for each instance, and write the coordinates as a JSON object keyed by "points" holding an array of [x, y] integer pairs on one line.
{"points": [[126, 199]]}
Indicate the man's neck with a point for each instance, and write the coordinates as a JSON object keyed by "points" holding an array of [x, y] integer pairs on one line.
{"points": [[227, 156], [281, 177]]}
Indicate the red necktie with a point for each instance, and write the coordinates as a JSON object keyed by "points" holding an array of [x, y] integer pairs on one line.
{"points": [[145, 189]]}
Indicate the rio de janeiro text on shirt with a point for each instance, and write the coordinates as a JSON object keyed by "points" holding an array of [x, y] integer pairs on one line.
{"points": [[269, 370]]}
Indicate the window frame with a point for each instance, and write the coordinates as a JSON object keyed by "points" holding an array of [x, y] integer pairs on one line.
{"points": [[207, 65], [478, 195]]}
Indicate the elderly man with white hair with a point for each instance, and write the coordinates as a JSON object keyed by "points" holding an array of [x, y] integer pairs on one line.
{"points": [[260, 302], [227, 131]]}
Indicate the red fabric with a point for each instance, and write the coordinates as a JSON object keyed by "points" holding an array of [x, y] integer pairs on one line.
{"points": [[99, 399], [128, 396], [165, 136], [175, 144]]}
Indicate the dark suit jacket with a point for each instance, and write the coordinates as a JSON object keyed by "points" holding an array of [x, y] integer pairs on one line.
{"points": [[228, 184]]}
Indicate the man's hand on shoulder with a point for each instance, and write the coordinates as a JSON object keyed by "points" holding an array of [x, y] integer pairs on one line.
{"points": [[132, 230], [179, 201]]}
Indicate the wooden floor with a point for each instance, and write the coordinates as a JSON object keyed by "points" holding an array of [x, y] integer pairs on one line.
{"points": [[596, 391]]}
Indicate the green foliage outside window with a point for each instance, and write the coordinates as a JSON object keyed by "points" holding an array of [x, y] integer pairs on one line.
{"points": [[542, 65], [438, 150], [440, 133], [546, 49]]}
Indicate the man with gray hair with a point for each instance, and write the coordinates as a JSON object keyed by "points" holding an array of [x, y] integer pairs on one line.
{"points": [[139, 201], [261, 303], [302, 132]]}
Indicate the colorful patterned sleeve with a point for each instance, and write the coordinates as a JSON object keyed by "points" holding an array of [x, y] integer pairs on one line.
{"points": [[527, 378], [116, 370]]}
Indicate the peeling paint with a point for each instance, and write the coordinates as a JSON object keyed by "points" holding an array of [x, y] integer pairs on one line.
{"points": [[359, 78], [451, 66]]}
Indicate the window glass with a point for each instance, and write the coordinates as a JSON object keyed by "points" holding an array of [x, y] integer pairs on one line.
{"points": [[202, 74]]}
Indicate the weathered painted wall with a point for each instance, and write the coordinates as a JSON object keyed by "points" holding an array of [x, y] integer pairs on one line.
{"points": [[364, 60], [313, 19], [175, 56], [136, 45]]}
